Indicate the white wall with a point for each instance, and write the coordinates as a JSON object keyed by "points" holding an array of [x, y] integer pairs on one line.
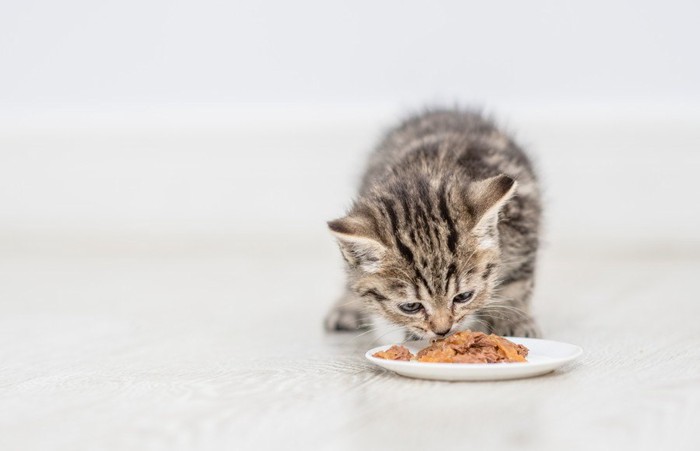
{"points": [[622, 182], [167, 52], [254, 118]]}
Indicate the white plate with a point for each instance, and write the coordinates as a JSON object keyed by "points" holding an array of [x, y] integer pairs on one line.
{"points": [[544, 356]]}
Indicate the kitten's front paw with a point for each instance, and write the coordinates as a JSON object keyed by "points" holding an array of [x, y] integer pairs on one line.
{"points": [[344, 319]]}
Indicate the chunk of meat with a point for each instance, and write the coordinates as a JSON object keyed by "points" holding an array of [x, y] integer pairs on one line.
{"points": [[395, 352], [473, 347]]}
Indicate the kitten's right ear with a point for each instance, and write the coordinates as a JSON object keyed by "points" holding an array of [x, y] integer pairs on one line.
{"points": [[358, 243], [486, 197]]}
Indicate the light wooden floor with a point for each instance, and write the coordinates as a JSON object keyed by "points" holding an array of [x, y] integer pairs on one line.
{"points": [[201, 346]]}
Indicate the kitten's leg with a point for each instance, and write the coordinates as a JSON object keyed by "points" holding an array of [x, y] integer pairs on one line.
{"points": [[347, 314], [513, 318]]}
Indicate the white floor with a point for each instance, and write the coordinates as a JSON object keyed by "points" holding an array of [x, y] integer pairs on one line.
{"points": [[136, 343]]}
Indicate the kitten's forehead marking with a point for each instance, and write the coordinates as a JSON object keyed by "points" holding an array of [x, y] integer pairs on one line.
{"points": [[422, 293]]}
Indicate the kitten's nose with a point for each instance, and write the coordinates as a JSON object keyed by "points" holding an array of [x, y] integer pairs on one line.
{"points": [[443, 332], [441, 323]]}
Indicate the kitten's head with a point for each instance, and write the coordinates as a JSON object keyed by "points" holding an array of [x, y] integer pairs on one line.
{"points": [[424, 254]]}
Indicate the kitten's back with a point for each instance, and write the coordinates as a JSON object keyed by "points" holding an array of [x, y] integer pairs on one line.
{"points": [[463, 138]]}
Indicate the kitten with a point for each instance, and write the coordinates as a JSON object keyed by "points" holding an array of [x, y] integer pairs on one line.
{"points": [[444, 232]]}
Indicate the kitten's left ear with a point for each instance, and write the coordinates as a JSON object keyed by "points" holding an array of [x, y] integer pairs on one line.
{"points": [[358, 243], [486, 197]]}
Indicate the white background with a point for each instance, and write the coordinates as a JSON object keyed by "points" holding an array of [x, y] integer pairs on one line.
{"points": [[82, 53], [253, 118], [167, 168]]}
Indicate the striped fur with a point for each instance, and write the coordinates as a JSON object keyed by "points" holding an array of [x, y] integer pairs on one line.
{"points": [[438, 215]]}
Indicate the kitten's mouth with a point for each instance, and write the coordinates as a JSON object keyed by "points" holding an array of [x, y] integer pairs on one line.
{"points": [[418, 333], [422, 334], [460, 326]]}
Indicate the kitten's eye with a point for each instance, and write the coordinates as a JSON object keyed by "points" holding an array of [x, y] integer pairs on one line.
{"points": [[461, 298], [411, 307]]}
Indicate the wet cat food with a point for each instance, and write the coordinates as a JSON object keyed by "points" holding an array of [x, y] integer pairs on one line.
{"points": [[395, 352], [462, 347]]}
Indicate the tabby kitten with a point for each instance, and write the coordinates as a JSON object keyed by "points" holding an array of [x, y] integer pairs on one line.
{"points": [[444, 232]]}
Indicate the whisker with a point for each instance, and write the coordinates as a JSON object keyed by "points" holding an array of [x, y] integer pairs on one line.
{"points": [[503, 309], [371, 329], [387, 333], [486, 325]]}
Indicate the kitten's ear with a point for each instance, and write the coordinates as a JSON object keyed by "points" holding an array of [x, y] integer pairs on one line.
{"points": [[358, 243], [486, 197]]}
